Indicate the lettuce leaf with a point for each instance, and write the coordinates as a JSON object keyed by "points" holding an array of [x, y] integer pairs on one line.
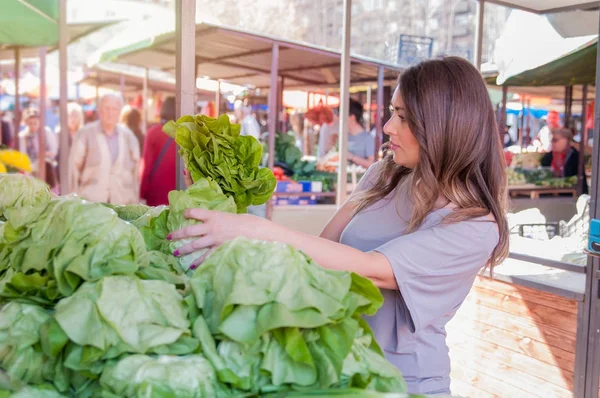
{"points": [[48, 250], [129, 212], [269, 319], [214, 149], [17, 190], [189, 376], [115, 316]]}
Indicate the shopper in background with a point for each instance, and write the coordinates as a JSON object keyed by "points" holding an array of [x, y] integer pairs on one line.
{"points": [[6, 135], [328, 132], [563, 158], [132, 119], [243, 114], [361, 144], [104, 159], [29, 139], [158, 162], [545, 134]]}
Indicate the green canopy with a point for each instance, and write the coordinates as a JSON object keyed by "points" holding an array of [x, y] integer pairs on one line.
{"points": [[29, 23], [576, 67]]}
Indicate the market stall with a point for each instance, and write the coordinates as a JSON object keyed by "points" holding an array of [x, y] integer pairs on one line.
{"points": [[32, 28], [241, 57]]}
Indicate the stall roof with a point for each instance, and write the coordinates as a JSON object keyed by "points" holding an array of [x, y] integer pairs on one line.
{"points": [[238, 56], [547, 6], [577, 67], [76, 32], [109, 76]]}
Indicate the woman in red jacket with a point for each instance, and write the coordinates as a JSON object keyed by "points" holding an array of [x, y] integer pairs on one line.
{"points": [[158, 160]]}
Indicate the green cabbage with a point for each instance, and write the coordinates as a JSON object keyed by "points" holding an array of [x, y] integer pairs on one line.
{"points": [[119, 315], [129, 212], [48, 250], [142, 376], [214, 149], [20, 356], [17, 190], [270, 319]]}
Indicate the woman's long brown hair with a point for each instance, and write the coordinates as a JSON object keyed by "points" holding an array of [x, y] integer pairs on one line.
{"points": [[448, 109]]}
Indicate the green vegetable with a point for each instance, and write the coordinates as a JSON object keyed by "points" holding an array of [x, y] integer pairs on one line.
{"points": [[129, 212], [280, 321], [214, 149], [17, 190], [118, 315], [20, 356], [48, 250], [164, 376]]}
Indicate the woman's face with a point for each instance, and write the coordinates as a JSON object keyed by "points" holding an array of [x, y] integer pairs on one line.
{"points": [[559, 143], [402, 141]]}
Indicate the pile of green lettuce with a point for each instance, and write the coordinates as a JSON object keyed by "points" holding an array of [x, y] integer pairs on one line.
{"points": [[214, 149], [94, 304]]}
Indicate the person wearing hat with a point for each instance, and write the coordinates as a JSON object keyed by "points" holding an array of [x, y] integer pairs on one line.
{"points": [[29, 140], [563, 158]]}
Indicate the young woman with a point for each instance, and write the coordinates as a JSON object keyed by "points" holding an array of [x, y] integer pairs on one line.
{"points": [[422, 222]]}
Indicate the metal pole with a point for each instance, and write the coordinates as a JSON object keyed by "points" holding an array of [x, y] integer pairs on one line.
{"points": [[344, 106], [145, 101], [272, 120], [326, 97], [41, 174], [581, 165], [218, 98], [63, 39], [380, 109], [281, 107], [502, 126], [590, 346], [369, 100], [17, 120], [568, 105], [122, 86], [185, 18], [480, 14]]}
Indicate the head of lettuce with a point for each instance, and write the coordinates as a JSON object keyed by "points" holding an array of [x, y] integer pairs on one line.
{"points": [[215, 150]]}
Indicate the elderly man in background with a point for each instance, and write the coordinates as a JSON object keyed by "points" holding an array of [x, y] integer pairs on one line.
{"points": [[105, 156]]}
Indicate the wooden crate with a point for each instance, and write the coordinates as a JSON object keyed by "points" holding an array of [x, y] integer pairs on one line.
{"points": [[512, 341]]}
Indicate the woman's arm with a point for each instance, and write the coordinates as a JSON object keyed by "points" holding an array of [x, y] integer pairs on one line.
{"points": [[217, 228]]}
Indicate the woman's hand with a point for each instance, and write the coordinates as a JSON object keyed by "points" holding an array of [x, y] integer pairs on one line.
{"points": [[215, 229]]}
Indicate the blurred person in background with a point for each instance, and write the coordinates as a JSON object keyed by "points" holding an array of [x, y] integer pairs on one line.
{"points": [[563, 158], [361, 144], [132, 118], [159, 159], [545, 134], [243, 114], [74, 124], [328, 132], [29, 142], [6, 135], [105, 156]]}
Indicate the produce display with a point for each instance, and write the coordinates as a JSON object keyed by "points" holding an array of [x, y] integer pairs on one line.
{"points": [[541, 176], [96, 305], [214, 149]]}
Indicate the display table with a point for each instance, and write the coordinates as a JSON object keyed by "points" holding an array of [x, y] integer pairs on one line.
{"points": [[534, 191]]}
